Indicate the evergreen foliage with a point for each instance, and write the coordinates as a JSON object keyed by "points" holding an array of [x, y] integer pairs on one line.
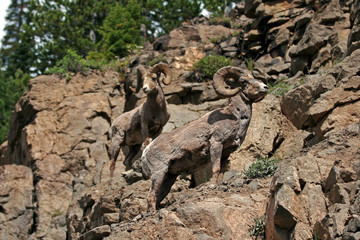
{"points": [[72, 62], [121, 29], [16, 44], [164, 16], [11, 88], [216, 6]]}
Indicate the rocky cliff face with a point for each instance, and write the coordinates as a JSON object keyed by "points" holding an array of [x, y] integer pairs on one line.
{"points": [[55, 165]]}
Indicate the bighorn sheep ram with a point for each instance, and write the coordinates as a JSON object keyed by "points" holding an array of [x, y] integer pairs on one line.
{"points": [[145, 122], [212, 137]]}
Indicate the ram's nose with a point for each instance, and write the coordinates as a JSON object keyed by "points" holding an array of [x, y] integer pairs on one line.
{"points": [[145, 89], [264, 88]]}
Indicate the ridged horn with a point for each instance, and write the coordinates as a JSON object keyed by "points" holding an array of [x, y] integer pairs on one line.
{"points": [[165, 70], [221, 82], [140, 71]]}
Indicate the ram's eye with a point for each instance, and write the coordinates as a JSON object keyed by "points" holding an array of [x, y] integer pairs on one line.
{"points": [[153, 76], [244, 83]]}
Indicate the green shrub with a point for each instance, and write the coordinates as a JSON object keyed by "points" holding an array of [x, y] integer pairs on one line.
{"points": [[72, 62], [57, 213], [279, 88], [263, 167], [258, 228], [220, 20], [249, 63], [208, 65], [315, 236], [156, 60]]}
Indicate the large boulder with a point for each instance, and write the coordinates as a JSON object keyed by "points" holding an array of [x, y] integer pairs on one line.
{"points": [[59, 129], [317, 102], [17, 206], [113, 211], [317, 192]]}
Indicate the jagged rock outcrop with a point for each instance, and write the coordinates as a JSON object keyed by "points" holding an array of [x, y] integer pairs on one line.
{"points": [[301, 35], [112, 211], [317, 192], [318, 102], [59, 131], [16, 201]]}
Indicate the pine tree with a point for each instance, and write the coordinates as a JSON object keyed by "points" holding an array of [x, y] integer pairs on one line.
{"points": [[121, 29], [16, 44], [61, 25], [216, 6], [11, 88], [164, 16]]}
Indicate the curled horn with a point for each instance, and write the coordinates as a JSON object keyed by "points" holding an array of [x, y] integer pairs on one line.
{"points": [[140, 71], [165, 70], [226, 78]]}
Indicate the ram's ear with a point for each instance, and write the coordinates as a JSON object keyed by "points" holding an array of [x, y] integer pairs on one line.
{"points": [[163, 68]]}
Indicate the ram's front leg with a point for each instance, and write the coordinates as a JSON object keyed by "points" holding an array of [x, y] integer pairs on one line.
{"points": [[215, 154], [145, 132]]}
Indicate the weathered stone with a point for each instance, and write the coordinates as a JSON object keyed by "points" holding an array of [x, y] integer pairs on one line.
{"points": [[286, 209], [250, 7], [279, 67], [298, 64], [339, 118], [261, 134], [331, 13], [315, 37], [16, 202], [296, 103], [53, 200], [301, 231], [313, 201], [98, 232], [282, 37], [179, 37], [326, 208], [253, 35], [233, 41], [303, 19], [321, 58], [289, 177], [353, 41], [343, 94]]}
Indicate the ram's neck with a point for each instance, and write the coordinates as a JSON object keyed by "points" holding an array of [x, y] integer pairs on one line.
{"points": [[156, 97], [239, 107]]}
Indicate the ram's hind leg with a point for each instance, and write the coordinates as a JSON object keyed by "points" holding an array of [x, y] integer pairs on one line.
{"points": [[215, 155], [224, 167], [166, 187], [160, 187], [116, 143]]}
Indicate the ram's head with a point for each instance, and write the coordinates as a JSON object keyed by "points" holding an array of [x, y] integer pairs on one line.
{"points": [[229, 81], [149, 79]]}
